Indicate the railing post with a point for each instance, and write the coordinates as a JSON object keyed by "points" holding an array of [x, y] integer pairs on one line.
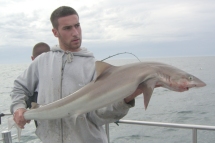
{"points": [[6, 136], [194, 135], [107, 132]]}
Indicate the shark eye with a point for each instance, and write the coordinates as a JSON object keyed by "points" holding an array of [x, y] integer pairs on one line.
{"points": [[190, 78]]}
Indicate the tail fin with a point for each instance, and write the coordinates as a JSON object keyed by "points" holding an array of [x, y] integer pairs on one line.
{"points": [[12, 123]]}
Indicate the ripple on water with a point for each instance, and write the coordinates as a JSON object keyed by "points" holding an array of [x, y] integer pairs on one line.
{"points": [[185, 112]]}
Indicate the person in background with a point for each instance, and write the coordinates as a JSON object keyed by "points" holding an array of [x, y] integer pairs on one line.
{"points": [[59, 73], [39, 48]]}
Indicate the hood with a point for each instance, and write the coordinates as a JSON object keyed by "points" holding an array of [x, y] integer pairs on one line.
{"points": [[82, 53]]}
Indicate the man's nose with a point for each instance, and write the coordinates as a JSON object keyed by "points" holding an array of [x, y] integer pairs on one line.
{"points": [[74, 31]]}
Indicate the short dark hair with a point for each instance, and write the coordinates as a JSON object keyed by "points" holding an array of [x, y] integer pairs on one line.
{"points": [[40, 48], [61, 12]]}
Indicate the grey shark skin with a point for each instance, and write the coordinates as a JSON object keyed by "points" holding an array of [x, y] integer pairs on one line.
{"points": [[114, 84]]}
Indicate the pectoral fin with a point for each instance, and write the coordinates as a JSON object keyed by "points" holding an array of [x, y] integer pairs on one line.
{"points": [[148, 88]]}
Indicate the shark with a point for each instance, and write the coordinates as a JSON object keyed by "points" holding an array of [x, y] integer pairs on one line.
{"points": [[114, 83]]}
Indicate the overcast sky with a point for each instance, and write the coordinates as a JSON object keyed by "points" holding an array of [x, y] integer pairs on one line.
{"points": [[146, 28]]}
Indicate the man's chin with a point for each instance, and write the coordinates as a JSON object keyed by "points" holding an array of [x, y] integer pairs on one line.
{"points": [[75, 48]]}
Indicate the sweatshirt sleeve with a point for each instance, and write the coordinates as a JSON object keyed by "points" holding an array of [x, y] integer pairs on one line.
{"points": [[110, 113], [24, 86]]}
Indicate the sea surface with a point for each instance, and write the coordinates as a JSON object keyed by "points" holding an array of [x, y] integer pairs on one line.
{"points": [[196, 106]]}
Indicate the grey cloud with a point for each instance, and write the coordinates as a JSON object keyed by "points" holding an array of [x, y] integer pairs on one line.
{"points": [[22, 29]]}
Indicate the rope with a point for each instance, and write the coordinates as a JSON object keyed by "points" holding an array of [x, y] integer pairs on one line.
{"points": [[119, 54]]}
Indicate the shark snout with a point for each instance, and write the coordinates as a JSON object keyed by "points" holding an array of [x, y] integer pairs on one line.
{"points": [[198, 83], [202, 84]]}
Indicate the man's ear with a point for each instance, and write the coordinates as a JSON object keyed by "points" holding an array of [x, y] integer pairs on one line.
{"points": [[32, 58], [55, 32]]}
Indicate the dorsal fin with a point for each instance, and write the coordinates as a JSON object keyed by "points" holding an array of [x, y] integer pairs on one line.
{"points": [[101, 67]]}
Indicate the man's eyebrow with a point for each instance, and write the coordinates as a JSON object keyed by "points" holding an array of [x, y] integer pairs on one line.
{"points": [[67, 26], [72, 25]]}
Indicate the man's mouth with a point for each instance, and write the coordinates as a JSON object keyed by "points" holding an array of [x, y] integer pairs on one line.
{"points": [[75, 40]]}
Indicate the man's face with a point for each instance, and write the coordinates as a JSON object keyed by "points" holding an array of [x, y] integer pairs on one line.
{"points": [[69, 33]]}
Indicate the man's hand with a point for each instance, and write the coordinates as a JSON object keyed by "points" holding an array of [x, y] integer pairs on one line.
{"points": [[18, 117]]}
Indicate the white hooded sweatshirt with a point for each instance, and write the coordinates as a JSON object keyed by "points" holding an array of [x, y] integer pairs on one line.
{"points": [[57, 74]]}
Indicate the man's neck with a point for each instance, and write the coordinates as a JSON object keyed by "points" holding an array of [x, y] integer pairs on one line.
{"points": [[70, 49]]}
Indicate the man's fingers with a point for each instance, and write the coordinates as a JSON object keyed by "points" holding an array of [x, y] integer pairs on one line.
{"points": [[20, 123], [19, 118], [137, 92]]}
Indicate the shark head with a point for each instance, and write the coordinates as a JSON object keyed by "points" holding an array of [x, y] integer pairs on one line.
{"points": [[183, 82]]}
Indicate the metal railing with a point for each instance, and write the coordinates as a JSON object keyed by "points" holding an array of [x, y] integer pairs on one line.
{"points": [[194, 128], [6, 135]]}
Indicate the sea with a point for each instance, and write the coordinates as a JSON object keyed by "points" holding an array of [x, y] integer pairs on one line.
{"points": [[196, 106]]}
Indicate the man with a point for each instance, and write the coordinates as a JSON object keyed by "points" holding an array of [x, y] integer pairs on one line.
{"points": [[38, 49], [58, 73]]}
